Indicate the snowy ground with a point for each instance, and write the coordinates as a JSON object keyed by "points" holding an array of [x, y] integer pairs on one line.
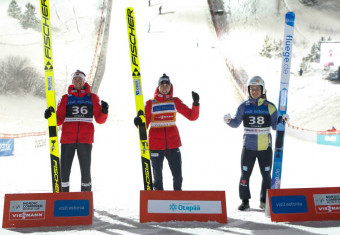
{"points": [[181, 43]]}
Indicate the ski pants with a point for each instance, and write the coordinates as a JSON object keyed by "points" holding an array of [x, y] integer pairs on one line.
{"points": [[175, 163], [248, 158], [84, 157]]}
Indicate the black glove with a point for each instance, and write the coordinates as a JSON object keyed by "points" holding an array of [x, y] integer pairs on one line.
{"points": [[138, 121], [196, 98], [48, 112], [105, 107]]}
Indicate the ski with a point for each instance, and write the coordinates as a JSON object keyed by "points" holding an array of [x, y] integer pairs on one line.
{"points": [[137, 84], [283, 98], [50, 94]]}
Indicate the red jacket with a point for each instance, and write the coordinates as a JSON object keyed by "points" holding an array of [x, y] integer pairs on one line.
{"points": [[79, 131], [161, 138]]}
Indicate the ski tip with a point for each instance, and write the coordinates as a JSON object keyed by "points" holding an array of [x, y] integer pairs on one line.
{"points": [[290, 18]]}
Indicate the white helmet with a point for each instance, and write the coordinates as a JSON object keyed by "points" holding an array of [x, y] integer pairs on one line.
{"points": [[256, 80]]}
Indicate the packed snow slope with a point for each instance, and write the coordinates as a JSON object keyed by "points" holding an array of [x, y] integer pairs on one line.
{"points": [[182, 43]]}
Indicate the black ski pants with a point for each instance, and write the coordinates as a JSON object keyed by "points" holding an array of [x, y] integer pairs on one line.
{"points": [[84, 157], [175, 163], [248, 158]]}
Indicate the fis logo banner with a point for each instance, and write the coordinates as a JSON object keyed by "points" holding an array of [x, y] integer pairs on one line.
{"points": [[184, 207], [327, 203], [27, 210]]}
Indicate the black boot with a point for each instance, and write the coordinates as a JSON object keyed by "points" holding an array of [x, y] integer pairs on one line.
{"points": [[244, 205]]}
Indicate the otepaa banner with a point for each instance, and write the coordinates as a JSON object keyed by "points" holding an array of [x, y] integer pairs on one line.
{"points": [[47, 209], [163, 206], [6, 147], [304, 204]]}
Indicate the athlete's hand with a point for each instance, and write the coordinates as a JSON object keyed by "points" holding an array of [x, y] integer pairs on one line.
{"points": [[138, 121], [105, 107], [227, 118], [196, 98], [48, 112]]}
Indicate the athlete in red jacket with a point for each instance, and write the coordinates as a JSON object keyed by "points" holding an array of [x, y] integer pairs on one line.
{"points": [[75, 113], [164, 139]]}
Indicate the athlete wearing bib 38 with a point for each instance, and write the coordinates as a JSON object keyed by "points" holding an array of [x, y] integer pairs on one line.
{"points": [[164, 139], [75, 112], [258, 116]]}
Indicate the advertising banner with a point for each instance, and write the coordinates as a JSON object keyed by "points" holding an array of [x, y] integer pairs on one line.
{"points": [[47, 209], [328, 138], [163, 206], [304, 204], [6, 147]]}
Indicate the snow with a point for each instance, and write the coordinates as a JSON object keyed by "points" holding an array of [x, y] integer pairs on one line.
{"points": [[313, 102], [181, 43]]}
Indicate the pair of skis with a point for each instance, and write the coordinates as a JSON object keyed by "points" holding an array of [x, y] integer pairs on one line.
{"points": [[283, 98], [50, 94]]}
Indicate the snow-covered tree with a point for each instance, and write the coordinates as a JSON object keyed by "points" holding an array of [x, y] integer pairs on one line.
{"points": [[28, 19], [14, 10], [271, 48], [266, 48], [18, 77]]}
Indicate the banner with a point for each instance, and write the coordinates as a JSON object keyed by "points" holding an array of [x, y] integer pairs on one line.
{"points": [[47, 209], [329, 137], [6, 147], [164, 206], [304, 204]]}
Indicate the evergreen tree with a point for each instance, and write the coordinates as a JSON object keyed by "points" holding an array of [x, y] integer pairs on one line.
{"points": [[266, 48], [278, 48], [28, 19], [14, 10]]}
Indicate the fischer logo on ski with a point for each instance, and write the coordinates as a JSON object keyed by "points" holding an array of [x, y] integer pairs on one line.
{"points": [[50, 94], [283, 98], [137, 84]]}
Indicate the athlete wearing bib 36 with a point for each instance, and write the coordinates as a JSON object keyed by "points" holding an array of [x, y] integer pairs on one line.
{"points": [[75, 112], [164, 139], [258, 116]]}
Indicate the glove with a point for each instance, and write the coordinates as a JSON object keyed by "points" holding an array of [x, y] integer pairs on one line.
{"points": [[105, 107], [284, 118], [138, 121], [196, 98], [48, 112], [227, 118]]}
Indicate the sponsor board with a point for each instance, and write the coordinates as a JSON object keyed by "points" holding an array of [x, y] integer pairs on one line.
{"points": [[162, 206], [47, 209], [27, 210], [329, 138], [304, 204], [6, 147]]}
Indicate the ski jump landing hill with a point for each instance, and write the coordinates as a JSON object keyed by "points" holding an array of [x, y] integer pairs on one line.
{"points": [[239, 78]]}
